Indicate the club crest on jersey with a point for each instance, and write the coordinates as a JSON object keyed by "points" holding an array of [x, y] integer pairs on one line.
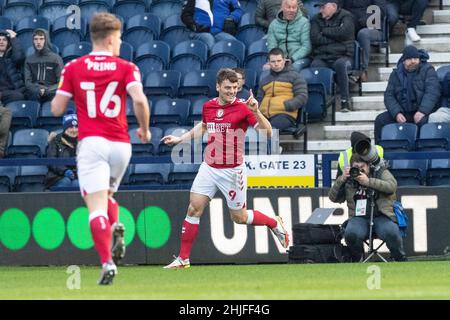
{"points": [[219, 113]]}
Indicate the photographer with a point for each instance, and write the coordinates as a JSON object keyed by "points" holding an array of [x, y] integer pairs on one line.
{"points": [[358, 185]]}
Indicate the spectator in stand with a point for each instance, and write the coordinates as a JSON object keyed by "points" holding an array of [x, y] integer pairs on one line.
{"points": [[290, 32], [365, 34], [242, 93], [282, 92], [412, 92], [443, 113], [42, 69], [332, 37], [212, 20], [12, 87], [267, 10], [63, 145], [413, 8]]}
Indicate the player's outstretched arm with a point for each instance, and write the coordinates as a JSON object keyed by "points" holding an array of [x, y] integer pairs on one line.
{"points": [[195, 132], [59, 104], [141, 111], [263, 122]]}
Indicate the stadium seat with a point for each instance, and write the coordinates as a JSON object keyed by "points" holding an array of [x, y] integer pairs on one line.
{"points": [[257, 54], [234, 48], [18, 9], [300, 129], [152, 56], [188, 55], [129, 8], [170, 112], [7, 176], [166, 150], [162, 83], [53, 9], [89, 7], [434, 137], [6, 23], [174, 31], [399, 137], [30, 179], [442, 71], [126, 51], [438, 173], [251, 80], [247, 19], [165, 8], [149, 174], [28, 143], [145, 149], [195, 115], [24, 113], [46, 120], [248, 5], [408, 172], [250, 34], [75, 50], [26, 26], [142, 28], [131, 117], [198, 83], [64, 35], [183, 174]]}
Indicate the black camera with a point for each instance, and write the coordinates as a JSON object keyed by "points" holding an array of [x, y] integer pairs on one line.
{"points": [[367, 152], [354, 172]]}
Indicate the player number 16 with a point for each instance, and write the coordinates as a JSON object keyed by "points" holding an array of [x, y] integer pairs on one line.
{"points": [[107, 97]]}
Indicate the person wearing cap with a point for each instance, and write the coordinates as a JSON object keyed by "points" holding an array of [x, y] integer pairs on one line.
{"points": [[63, 145], [42, 69], [412, 93], [332, 39]]}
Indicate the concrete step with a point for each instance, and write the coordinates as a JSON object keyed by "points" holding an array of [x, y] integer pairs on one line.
{"points": [[357, 116], [434, 30], [435, 3], [435, 57], [384, 73], [344, 132], [322, 146], [441, 16], [434, 44], [370, 87], [368, 103]]}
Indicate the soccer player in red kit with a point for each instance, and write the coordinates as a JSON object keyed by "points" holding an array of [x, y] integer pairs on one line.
{"points": [[99, 83], [226, 119]]}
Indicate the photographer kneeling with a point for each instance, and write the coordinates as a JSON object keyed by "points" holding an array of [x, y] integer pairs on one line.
{"points": [[356, 186]]}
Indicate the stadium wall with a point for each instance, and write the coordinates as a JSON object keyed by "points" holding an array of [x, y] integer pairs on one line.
{"points": [[52, 228]]}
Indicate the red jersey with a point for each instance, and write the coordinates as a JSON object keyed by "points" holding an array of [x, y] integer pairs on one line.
{"points": [[226, 126], [98, 83]]}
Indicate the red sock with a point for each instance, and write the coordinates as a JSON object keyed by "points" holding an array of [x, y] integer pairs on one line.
{"points": [[101, 234], [258, 218], [113, 210], [188, 234]]}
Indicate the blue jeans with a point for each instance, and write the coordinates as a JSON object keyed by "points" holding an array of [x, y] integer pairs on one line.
{"points": [[282, 121], [67, 183], [415, 8], [357, 230], [365, 37]]}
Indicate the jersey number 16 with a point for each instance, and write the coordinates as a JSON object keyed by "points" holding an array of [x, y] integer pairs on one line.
{"points": [[107, 97]]}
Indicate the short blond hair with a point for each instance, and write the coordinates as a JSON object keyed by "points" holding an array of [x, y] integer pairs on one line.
{"points": [[102, 25]]}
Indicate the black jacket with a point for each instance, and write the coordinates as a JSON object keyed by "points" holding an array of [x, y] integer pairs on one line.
{"points": [[358, 8], [59, 148], [11, 65], [334, 38]]}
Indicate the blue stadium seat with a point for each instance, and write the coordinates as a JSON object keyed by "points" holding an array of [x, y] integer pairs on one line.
{"points": [[30, 179], [251, 80], [131, 117], [152, 56], [53, 9], [399, 137], [7, 176], [18, 9], [188, 55], [166, 150], [126, 51], [442, 71], [162, 83], [229, 47], [198, 83], [28, 143], [408, 172], [66, 32], [24, 113], [46, 119], [26, 26], [128, 8], [145, 149], [250, 34], [195, 115], [257, 54], [247, 19], [174, 31], [183, 174], [75, 50], [5, 23], [89, 7], [438, 173], [142, 28], [434, 137], [149, 174], [165, 8], [170, 111]]}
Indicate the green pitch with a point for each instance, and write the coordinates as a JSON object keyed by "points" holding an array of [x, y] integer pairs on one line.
{"points": [[411, 280]]}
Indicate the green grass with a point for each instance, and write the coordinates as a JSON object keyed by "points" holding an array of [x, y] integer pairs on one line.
{"points": [[411, 280]]}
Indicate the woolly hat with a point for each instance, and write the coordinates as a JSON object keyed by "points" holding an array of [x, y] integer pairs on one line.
{"points": [[70, 120], [410, 52]]}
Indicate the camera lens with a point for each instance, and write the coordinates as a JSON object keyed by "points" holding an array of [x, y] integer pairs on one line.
{"points": [[354, 172]]}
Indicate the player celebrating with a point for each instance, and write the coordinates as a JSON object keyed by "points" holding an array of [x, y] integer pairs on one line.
{"points": [[98, 83], [226, 119]]}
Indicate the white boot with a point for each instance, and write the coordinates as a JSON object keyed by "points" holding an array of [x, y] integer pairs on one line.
{"points": [[412, 34]]}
